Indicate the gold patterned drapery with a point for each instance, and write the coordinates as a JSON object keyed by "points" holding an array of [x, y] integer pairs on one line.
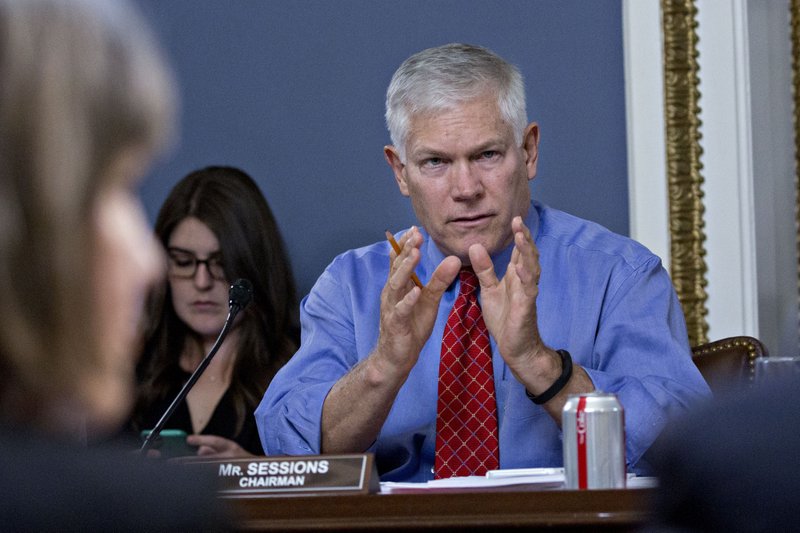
{"points": [[684, 180]]}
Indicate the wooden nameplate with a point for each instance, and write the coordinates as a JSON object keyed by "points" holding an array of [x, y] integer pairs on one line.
{"points": [[297, 474]]}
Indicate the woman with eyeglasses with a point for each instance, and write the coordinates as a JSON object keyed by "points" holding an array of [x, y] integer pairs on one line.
{"points": [[216, 227]]}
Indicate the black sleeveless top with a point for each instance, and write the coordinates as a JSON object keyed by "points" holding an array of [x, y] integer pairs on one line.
{"points": [[222, 422]]}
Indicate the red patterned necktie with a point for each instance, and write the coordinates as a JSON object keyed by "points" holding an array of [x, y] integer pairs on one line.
{"points": [[466, 421]]}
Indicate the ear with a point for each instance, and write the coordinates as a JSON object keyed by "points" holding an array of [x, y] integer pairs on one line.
{"points": [[398, 167], [530, 145]]}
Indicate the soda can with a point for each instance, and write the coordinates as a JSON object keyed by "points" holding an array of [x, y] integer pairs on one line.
{"points": [[593, 426]]}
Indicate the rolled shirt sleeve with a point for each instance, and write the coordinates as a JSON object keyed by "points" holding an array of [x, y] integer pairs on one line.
{"points": [[289, 416]]}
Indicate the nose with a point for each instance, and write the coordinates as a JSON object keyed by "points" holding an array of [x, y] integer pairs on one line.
{"points": [[466, 181], [202, 277]]}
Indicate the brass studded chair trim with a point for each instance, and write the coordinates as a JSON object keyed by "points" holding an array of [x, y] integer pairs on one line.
{"points": [[728, 363]]}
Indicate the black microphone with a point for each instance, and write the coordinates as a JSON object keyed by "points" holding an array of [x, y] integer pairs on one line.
{"points": [[239, 296]]}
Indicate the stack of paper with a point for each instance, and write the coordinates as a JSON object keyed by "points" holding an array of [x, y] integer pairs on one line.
{"points": [[544, 478]]}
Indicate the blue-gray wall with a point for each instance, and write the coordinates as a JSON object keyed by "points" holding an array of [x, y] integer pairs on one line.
{"points": [[293, 91]]}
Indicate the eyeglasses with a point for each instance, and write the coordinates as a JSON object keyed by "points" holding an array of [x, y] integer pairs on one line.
{"points": [[184, 264]]}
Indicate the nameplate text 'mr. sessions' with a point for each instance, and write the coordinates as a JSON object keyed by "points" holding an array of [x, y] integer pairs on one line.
{"points": [[266, 476]]}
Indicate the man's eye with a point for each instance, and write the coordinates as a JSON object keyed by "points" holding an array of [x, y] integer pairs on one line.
{"points": [[432, 162], [489, 154]]}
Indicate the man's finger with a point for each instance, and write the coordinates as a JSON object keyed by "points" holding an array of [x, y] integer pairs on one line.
{"points": [[442, 277], [483, 267]]}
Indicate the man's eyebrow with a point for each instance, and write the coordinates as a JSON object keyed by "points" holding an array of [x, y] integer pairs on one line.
{"points": [[491, 144], [425, 152]]}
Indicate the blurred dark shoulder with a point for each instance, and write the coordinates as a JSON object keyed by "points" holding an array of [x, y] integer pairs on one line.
{"points": [[53, 486], [732, 465]]}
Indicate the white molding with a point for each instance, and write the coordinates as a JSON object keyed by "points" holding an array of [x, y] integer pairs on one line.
{"points": [[644, 104], [727, 167]]}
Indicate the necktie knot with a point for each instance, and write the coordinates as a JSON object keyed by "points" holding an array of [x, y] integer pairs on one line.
{"points": [[469, 281]]}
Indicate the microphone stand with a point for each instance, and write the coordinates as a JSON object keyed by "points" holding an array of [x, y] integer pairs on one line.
{"points": [[235, 307]]}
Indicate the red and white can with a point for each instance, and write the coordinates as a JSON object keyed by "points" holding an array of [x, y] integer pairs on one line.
{"points": [[593, 427]]}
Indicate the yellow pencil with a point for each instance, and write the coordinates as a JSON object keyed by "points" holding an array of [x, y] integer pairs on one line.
{"points": [[397, 250]]}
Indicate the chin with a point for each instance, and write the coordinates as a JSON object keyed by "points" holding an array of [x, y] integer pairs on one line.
{"points": [[208, 329], [464, 246], [206, 325]]}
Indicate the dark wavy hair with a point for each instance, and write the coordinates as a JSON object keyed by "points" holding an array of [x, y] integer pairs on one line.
{"points": [[230, 203]]}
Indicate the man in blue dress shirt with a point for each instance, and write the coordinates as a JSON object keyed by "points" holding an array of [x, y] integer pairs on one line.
{"points": [[365, 377]]}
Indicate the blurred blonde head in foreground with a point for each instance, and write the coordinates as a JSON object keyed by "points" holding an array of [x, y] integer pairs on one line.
{"points": [[85, 103]]}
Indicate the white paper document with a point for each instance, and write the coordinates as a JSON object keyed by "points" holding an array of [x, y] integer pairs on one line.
{"points": [[544, 477]]}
